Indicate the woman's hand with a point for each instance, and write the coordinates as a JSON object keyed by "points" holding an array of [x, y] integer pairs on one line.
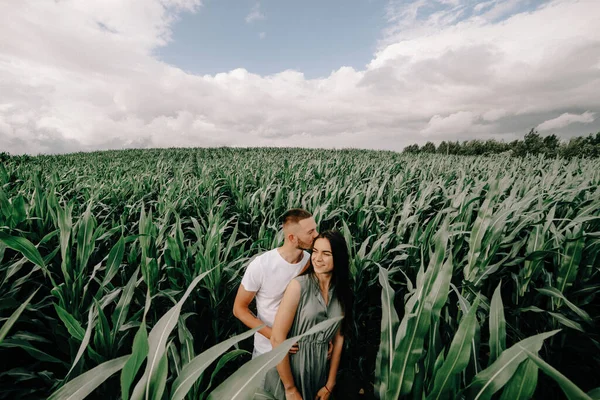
{"points": [[323, 394], [293, 394], [294, 349]]}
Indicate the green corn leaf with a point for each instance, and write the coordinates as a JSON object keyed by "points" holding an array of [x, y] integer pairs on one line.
{"points": [[227, 357], [86, 337], [415, 324], [569, 388], [119, 315], [85, 239], [19, 214], [157, 341], [553, 292], [65, 225], [594, 393], [566, 321], [494, 377], [72, 325], [14, 317], [440, 289], [24, 247], [458, 355], [159, 380], [80, 387], [186, 340], [242, 384], [567, 271], [115, 257], [497, 326], [194, 369], [37, 354], [522, 384], [389, 326], [103, 334], [135, 360]]}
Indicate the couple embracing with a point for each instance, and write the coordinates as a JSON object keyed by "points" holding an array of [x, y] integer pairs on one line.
{"points": [[295, 290]]}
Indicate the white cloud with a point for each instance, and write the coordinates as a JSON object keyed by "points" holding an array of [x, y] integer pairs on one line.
{"points": [[453, 125], [566, 119], [255, 14], [494, 115], [262, 35], [77, 77]]}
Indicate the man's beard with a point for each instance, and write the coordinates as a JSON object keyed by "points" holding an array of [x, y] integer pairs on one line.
{"points": [[303, 245]]}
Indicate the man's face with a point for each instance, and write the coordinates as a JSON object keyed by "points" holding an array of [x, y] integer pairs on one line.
{"points": [[306, 232]]}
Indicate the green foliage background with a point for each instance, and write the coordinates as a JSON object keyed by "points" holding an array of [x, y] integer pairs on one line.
{"points": [[114, 226]]}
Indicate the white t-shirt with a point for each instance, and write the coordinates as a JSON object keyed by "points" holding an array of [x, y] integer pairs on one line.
{"points": [[268, 275]]}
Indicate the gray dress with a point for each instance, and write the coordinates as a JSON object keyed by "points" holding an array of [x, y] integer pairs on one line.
{"points": [[309, 365]]}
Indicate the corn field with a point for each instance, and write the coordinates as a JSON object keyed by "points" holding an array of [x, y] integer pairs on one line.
{"points": [[474, 277]]}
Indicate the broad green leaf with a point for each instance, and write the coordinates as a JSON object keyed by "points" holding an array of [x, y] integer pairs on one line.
{"points": [[72, 325], [86, 337], [65, 225], [415, 324], [243, 383], [194, 369], [80, 387], [566, 321], [227, 357], [497, 326], [115, 257], [37, 354], [103, 336], [553, 292], [458, 355], [24, 247], [135, 360], [14, 317], [594, 393], [120, 314], [85, 239], [159, 379], [494, 377], [18, 210], [465, 306], [569, 388], [389, 326], [522, 384], [569, 262], [157, 341]]}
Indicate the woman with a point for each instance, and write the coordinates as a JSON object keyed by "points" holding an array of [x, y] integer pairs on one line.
{"points": [[319, 293]]}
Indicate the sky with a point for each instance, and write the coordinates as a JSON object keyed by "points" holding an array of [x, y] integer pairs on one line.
{"points": [[375, 74]]}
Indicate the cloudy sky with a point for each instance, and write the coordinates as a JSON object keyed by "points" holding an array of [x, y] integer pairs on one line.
{"points": [[108, 74]]}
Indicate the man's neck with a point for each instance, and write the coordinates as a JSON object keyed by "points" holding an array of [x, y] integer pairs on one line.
{"points": [[290, 253]]}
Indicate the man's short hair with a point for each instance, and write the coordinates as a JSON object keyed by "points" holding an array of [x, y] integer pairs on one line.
{"points": [[294, 215]]}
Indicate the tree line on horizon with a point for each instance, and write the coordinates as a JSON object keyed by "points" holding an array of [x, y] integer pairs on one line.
{"points": [[533, 144]]}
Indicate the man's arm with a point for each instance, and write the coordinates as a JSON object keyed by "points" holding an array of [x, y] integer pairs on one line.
{"points": [[241, 311]]}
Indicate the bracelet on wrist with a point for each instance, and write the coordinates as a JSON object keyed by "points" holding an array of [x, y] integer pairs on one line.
{"points": [[326, 388]]}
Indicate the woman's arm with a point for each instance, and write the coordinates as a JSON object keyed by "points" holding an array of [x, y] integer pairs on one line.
{"points": [[281, 327], [338, 345]]}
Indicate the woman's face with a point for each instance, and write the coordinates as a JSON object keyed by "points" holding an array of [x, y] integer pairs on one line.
{"points": [[322, 259]]}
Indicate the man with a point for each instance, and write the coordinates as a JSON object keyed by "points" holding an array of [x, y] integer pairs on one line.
{"points": [[268, 275]]}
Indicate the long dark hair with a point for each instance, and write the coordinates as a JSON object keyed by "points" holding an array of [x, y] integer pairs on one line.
{"points": [[340, 278]]}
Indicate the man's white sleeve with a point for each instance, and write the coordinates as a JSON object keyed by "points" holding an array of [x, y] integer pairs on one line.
{"points": [[252, 279]]}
